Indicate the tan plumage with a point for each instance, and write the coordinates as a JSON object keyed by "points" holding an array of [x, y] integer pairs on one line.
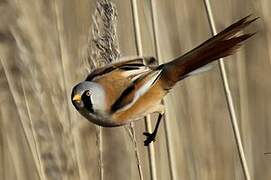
{"points": [[132, 88]]}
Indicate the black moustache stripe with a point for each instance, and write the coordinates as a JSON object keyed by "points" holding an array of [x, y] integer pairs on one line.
{"points": [[87, 103]]}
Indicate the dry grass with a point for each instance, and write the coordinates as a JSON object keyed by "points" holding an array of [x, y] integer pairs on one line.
{"points": [[43, 137]]}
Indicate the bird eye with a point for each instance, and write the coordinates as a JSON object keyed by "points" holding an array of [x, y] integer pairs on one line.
{"points": [[88, 93]]}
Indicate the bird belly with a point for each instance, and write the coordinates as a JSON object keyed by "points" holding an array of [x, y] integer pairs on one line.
{"points": [[98, 119], [146, 104]]}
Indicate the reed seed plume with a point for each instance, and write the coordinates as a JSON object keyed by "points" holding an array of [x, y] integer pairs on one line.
{"points": [[102, 47]]}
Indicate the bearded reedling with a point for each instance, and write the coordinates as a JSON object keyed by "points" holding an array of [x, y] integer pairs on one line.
{"points": [[125, 91]]}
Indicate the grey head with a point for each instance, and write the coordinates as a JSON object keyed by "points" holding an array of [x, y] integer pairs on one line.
{"points": [[88, 97]]}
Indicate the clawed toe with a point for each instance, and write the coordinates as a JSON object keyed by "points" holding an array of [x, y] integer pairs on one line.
{"points": [[150, 137], [146, 134]]}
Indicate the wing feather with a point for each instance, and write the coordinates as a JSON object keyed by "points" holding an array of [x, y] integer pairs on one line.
{"points": [[125, 81], [136, 90], [131, 64], [117, 78]]}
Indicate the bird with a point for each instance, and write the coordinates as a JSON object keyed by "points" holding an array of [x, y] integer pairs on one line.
{"points": [[125, 91]]}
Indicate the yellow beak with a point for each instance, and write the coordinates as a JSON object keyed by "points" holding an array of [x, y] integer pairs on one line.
{"points": [[76, 97]]}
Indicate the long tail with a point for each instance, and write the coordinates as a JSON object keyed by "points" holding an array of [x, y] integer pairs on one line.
{"points": [[223, 44]]}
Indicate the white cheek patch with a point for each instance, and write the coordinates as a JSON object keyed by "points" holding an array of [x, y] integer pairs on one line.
{"points": [[98, 99]]}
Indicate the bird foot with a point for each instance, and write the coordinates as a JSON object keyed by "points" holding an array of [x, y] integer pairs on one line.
{"points": [[150, 137]]}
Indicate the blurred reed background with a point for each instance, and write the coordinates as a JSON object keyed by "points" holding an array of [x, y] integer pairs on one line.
{"points": [[43, 137]]}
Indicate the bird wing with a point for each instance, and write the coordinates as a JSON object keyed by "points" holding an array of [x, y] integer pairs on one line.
{"points": [[137, 88], [130, 66], [124, 82]]}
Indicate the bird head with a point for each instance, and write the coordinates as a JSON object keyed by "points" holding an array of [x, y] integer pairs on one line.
{"points": [[88, 96]]}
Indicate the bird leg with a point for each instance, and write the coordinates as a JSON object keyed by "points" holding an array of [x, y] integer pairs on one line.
{"points": [[151, 136]]}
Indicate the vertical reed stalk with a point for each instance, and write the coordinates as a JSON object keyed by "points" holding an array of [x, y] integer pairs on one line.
{"points": [[136, 23], [72, 136], [131, 131], [102, 48], [232, 111], [38, 152], [99, 143], [14, 93], [172, 165]]}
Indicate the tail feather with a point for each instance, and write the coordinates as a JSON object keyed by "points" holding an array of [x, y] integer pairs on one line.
{"points": [[234, 28], [223, 44]]}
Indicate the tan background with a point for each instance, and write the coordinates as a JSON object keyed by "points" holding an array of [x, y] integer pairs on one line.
{"points": [[43, 137]]}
